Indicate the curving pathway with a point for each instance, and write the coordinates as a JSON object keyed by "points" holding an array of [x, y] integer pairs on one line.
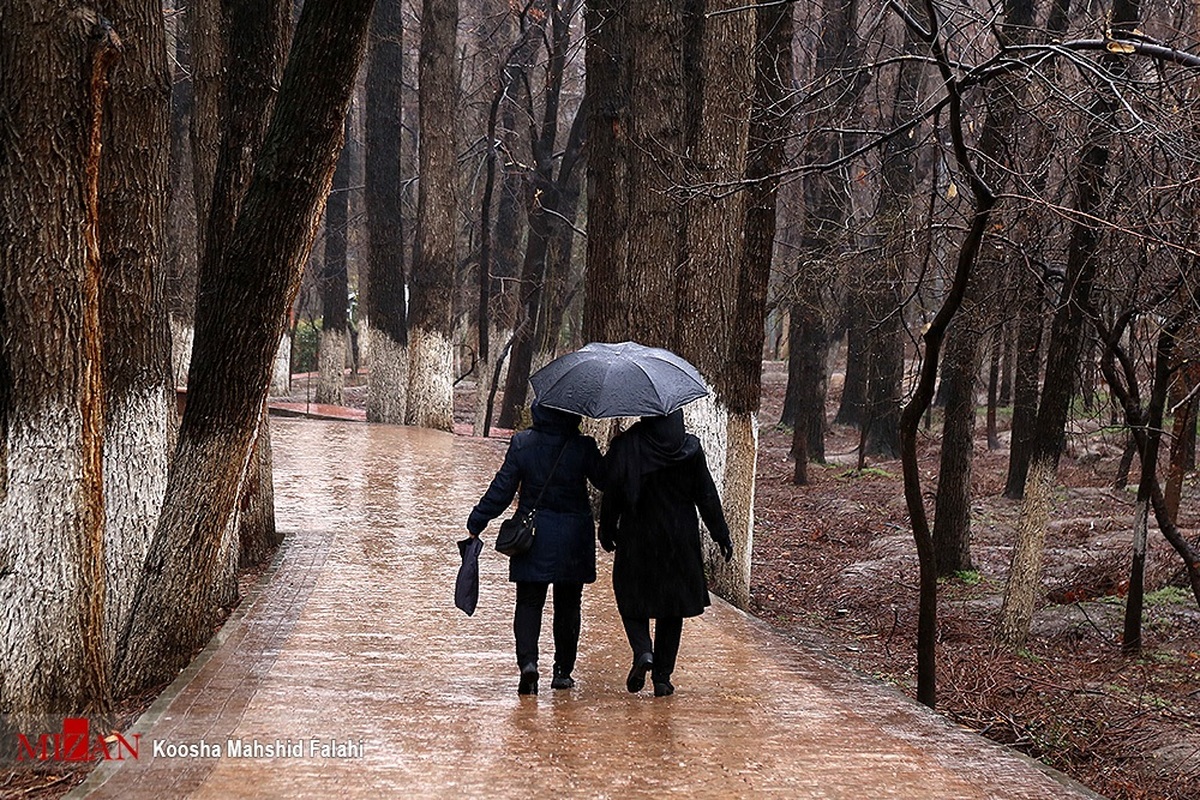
{"points": [[352, 664]]}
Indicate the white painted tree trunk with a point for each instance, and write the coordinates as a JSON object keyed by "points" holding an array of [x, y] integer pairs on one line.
{"points": [[281, 371], [731, 448], [137, 452], [47, 567], [331, 383], [181, 351], [430, 381], [387, 392]]}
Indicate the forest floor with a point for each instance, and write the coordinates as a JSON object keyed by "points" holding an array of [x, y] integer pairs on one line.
{"points": [[837, 557]]}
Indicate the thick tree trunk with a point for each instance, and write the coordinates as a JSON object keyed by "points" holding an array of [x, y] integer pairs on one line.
{"points": [[258, 537], [431, 354], [237, 334], [386, 398], [608, 171], [335, 291], [56, 58], [723, 295], [139, 398]]}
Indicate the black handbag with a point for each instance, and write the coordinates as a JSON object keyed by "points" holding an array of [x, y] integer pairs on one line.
{"points": [[518, 531]]}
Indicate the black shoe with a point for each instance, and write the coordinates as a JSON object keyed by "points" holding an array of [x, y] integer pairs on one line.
{"points": [[637, 675], [529, 679], [663, 688], [561, 680]]}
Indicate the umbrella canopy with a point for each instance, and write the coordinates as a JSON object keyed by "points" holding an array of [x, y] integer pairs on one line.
{"points": [[618, 380]]}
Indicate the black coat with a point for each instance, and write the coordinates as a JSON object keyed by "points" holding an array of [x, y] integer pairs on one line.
{"points": [[565, 546], [658, 568]]}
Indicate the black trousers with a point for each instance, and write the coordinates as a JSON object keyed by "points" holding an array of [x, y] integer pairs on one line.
{"points": [[527, 622], [665, 646]]}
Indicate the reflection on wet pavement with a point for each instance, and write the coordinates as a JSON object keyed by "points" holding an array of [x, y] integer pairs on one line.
{"points": [[354, 642]]}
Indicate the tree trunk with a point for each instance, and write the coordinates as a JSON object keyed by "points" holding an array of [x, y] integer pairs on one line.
{"points": [[430, 349], [56, 58], [1183, 438], [609, 115], [335, 291], [236, 338], [139, 397], [1025, 385], [1065, 345], [206, 26], [952, 515], [254, 46], [852, 408], [993, 387], [258, 538], [718, 82], [385, 269], [182, 265], [828, 204]]}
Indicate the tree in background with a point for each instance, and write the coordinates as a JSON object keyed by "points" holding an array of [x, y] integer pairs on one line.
{"points": [[431, 325], [385, 301], [335, 290]]}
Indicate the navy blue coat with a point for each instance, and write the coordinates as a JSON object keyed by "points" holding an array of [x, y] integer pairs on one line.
{"points": [[565, 546]]}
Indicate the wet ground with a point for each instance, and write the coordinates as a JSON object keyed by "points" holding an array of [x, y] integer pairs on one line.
{"points": [[352, 663]]}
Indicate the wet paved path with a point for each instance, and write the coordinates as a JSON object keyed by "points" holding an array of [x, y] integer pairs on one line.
{"points": [[354, 642]]}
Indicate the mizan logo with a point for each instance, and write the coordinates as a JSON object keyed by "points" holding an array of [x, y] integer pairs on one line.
{"points": [[75, 743]]}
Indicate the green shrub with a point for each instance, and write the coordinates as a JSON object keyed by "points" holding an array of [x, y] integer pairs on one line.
{"points": [[305, 342]]}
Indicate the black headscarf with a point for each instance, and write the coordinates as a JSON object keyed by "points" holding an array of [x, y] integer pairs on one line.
{"points": [[554, 421], [650, 445]]}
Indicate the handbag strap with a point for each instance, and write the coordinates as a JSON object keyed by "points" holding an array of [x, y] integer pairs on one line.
{"points": [[561, 450]]}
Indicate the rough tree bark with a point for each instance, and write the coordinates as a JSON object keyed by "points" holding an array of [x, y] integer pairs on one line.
{"points": [[55, 59], [385, 268], [608, 176], [430, 349], [139, 408], [237, 334]]}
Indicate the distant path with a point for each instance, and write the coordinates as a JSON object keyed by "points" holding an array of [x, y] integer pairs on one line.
{"points": [[354, 641]]}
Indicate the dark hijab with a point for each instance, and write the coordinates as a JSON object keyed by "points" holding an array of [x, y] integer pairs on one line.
{"points": [[553, 421], [650, 445]]}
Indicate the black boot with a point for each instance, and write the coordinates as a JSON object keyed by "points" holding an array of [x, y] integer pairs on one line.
{"points": [[562, 679], [529, 679], [637, 674]]}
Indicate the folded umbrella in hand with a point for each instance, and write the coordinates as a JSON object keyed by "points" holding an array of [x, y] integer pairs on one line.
{"points": [[466, 586]]}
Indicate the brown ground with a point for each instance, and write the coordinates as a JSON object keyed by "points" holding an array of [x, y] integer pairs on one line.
{"points": [[838, 557]]}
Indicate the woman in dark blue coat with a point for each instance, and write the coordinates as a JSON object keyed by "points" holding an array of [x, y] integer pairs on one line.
{"points": [[564, 551], [657, 477]]}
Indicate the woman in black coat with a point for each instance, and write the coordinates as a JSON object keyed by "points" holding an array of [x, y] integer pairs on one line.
{"points": [[656, 478], [553, 455]]}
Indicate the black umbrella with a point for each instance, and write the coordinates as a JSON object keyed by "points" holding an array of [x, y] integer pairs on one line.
{"points": [[466, 586], [618, 380]]}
